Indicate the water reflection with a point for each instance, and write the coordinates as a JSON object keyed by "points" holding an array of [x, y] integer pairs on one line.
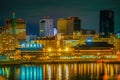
{"points": [[81, 71], [29, 72]]}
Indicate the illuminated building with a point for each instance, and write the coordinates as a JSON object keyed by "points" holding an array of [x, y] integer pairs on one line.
{"points": [[20, 29], [77, 38], [14, 30], [117, 41], [86, 41], [47, 43], [117, 44], [8, 41], [65, 26], [68, 25], [106, 23], [46, 27], [30, 46], [15, 26], [20, 25], [76, 23]]}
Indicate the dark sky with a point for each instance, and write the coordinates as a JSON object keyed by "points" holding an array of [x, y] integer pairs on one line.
{"points": [[33, 10]]}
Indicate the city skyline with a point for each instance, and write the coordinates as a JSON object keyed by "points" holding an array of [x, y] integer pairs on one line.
{"points": [[87, 11], [106, 23]]}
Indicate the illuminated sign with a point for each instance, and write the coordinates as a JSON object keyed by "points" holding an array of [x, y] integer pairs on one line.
{"points": [[30, 46], [27, 45], [89, 39]]}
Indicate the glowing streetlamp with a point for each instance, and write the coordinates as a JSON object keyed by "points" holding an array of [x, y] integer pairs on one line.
{"points": [[66, 49], [59, 49], [49, 49]]}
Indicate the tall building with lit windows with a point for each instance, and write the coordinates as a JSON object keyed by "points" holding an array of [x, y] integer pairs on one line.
{"points": [[46, 27], [20, 29], [65, 26], [76, 23], [20, 25], [106, 23]]}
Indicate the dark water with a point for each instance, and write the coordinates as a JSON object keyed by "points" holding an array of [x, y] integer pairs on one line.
{"points": [[74, 71]]}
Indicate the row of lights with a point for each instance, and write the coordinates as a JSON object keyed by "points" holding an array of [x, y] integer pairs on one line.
{"points": [[59, 49]]}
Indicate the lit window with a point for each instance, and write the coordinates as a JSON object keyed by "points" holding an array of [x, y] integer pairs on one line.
{"points": [[67, 49], [31, 45], [22, 45], [40, 45], [34, 45], [89, 40], [49, 49], [37, 45], [27, 45]]}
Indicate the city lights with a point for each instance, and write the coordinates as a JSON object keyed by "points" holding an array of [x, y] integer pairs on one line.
{"points": [[70, 42], [59, 49], [60, 40], [67, 49], [49, 49]]}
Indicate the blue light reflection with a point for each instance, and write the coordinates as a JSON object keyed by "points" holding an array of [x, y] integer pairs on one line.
{"points": [[31, 73]]}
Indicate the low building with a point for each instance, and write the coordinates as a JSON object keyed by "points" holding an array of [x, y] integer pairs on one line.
{"points": [[95, 48]]}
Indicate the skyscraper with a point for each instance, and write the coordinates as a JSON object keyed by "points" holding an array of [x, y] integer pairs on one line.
{"points": [[20, 25], [76, 23], [46, 28], [19, 28], [106, 23], [65, 26]]}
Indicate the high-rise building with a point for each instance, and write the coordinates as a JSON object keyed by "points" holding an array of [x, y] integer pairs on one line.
{"points": [[20, 25], [76, 23], [65, 26], [106, 23], [46, 27]]}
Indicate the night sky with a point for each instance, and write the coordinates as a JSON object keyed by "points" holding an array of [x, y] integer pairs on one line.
{"points": [[33, 10]]}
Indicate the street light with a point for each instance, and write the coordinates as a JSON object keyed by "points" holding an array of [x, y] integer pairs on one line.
{"points": [[66, 49], [49, 49], [59, 49]]}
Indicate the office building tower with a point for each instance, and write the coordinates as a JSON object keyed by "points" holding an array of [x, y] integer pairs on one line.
{"points": [[65, 26], [46, 27], [20, 25], [106, 23], [76, 23], [17, 27]]}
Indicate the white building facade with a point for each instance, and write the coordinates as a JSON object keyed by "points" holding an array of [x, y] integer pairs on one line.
{"points": [[46, 28]]}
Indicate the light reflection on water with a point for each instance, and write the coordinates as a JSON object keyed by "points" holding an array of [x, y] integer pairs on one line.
{"points": [[73, 71]]}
